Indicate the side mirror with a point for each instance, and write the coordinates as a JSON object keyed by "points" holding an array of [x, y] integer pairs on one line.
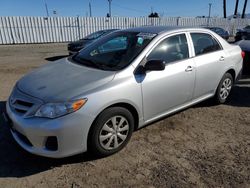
{"points": [[154, 65]]}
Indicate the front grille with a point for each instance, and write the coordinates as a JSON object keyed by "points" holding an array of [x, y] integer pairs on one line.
{"points": [[24, 103], [20, 111], [21, 106]]}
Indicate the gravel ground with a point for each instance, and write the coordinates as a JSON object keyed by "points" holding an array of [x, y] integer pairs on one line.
{"points": [[203, 146]]}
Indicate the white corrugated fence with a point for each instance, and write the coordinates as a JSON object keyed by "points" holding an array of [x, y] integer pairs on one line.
{"points": [[24, 30]]}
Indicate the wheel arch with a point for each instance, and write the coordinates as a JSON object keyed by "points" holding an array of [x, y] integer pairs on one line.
{"points": [[130, 108], [125, 105], [232, 72]]}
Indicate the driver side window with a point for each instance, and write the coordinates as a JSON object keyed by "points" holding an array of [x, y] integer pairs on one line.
{"points": [[174, 48]]}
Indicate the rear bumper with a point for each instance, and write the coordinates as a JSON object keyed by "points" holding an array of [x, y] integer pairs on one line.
{"points": [[239, 76], [32, 134]]}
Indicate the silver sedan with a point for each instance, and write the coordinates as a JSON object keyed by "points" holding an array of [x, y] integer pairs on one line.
{"points": [[95, 99]]}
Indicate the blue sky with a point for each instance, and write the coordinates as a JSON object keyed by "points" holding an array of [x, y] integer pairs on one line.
{"points": [[133, 8]]}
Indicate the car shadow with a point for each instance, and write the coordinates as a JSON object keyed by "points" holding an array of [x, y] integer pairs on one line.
{"points": [[54, 58], [240, 96], [15, 162]]}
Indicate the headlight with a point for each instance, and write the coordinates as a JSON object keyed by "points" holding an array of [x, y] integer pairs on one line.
{"points": [[54, 110]]}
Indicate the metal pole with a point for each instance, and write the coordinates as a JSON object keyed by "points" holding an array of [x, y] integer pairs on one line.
{"points": [[244, 9], [178, 20], [90, 9], [78, 27], [225, 8], [46, 7], [109, 8], [236, 8], [209, 14], [210, 5]]}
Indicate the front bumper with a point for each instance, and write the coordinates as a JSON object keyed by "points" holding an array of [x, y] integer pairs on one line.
{"points": [[70, 131]]}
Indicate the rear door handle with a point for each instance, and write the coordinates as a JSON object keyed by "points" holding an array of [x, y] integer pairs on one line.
{"points": [[222, 58], [189, 69]]}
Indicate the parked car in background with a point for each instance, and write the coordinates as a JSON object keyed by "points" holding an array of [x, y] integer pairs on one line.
{"points": [[76, 46], [245, 46], [243, 34], [124, 81], [220, 31]]}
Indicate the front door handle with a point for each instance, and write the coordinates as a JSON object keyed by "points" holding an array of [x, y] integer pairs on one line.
{"points": [[189, 69], [222, 58]]}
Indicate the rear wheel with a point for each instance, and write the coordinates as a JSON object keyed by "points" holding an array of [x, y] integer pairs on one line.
{"points": [[224, 88], [111, 131]]}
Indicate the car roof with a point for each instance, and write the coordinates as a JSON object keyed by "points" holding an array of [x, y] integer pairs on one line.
{"points": [[159, 29], [109, 30], [105, 30], [214, 28]]}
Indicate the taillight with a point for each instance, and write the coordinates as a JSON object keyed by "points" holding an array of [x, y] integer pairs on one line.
{"points": [[243, 54]]}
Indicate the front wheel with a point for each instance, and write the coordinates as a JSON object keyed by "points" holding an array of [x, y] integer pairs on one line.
{"points": [[224, 88], [111, 131]]}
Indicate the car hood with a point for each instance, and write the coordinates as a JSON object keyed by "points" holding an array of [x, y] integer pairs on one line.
{"points": [[62, 80]]}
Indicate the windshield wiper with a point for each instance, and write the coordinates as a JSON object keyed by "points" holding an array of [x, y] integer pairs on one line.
{"points": [[89, 63], [93, 64]]}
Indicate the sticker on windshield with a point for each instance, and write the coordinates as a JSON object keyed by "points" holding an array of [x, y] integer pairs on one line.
{"points": [[146, 35], [140, 40]]}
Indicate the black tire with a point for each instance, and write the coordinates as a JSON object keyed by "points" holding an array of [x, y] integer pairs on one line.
{"points": [[219, 99], [95, 145]]}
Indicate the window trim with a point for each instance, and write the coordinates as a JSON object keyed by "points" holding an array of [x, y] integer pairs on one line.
{"points": [[202, 32]]}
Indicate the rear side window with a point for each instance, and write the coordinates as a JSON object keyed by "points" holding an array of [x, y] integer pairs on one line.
{"points": [[174, 48], [204, 43]]}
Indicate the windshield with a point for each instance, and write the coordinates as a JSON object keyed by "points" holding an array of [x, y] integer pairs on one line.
{"points": [[114, 51], [95, 35]]}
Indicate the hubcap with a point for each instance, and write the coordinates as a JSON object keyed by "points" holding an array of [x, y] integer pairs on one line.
{"points": [[225, 88], [114, 132]]}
